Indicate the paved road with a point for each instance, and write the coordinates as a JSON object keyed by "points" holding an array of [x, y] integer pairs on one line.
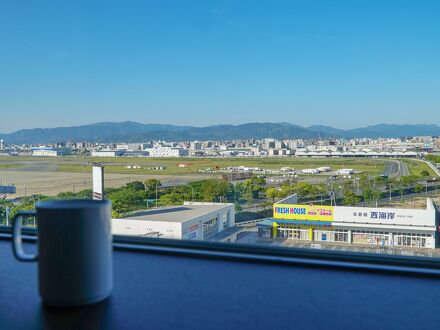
{"points": [[392, 169], [403, 168], [395, 169]]}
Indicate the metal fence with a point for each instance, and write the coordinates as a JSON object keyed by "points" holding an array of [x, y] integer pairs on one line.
{"points": [[430, 193]]}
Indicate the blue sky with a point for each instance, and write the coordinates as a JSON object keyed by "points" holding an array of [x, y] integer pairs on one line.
{"points": [[339, 63]]}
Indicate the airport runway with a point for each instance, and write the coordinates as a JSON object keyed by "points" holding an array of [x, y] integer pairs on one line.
{"points": [[403, 168], [395, 169]]}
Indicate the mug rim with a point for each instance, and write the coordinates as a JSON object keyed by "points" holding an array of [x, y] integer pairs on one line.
{"points": [[79, 203]]}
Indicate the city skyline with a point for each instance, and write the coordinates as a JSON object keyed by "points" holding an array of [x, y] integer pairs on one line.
{"points": [[205, 63]]}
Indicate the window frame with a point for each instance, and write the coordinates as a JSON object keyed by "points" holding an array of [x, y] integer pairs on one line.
{"points": [[418, 266]]}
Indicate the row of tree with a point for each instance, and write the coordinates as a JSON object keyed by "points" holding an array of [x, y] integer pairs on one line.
{"points": [[138, 195]]}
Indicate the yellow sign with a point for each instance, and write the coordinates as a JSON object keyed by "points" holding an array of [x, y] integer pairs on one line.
{"points": [[303, 212]]}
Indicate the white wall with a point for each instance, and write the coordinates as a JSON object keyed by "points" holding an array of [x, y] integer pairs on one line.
{"points": [[44, 152], [386, 216], [143, 227]]}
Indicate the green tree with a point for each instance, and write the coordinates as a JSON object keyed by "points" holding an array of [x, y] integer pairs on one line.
{"points": [[251, 188], [272, 193], [172, 198], [367, 194], [433, 158], [67, 195], [408, 181], [376, 195], [135, 185], [3, 205], [424, 173], [319, 189], [150, 187], [364, 180], [151, 184], [303, 188], [126, 200], [419, 188], [213, 189], [350, 198], [84, 194]]}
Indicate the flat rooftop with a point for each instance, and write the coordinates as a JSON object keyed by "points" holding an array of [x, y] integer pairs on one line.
{"points": [[179, 213]]}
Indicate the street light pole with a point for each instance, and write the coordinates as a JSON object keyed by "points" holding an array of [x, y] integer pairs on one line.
{"points": [[7, 215], [33, 197]]}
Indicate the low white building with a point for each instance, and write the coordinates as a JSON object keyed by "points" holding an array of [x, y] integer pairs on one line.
{"points": [[168, 152], [51, 152], [107, 153], [191, 221]]}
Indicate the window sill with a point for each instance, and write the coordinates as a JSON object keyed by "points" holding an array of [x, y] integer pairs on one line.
{"points": [[268, 254]]}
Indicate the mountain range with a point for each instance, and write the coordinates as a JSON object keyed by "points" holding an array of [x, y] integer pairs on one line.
{"points": [[129, 131]]}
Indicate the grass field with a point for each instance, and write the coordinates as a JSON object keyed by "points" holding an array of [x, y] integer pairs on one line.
{"points": [[416, 167], [118, 165], [9, 166], [49, 175]]}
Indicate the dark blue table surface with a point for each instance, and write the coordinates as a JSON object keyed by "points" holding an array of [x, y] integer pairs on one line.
{"points": [[174, 292]]}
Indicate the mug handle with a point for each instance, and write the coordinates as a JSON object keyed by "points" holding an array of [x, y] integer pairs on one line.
{"points": [[17, 245]]}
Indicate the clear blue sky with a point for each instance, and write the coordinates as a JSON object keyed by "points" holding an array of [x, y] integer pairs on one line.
{"points": [[340, 63]]}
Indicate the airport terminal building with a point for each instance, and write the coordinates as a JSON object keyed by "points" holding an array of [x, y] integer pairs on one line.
{"points": [[191, 221], [354, 225]]}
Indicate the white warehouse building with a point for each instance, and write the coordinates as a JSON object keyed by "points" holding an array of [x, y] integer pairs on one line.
{"points": [[168, 152], [191, 221], [50, 152], [107, 153]]}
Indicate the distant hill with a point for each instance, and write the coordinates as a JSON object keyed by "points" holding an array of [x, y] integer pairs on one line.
{"points": [[327, 130], [388, 130], [135, 132]]}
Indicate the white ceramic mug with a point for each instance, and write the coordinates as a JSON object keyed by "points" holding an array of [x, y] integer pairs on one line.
{"points": [[75, 265]]}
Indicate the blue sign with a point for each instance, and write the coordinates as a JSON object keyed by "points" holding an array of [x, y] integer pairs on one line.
{"points": [[382, 215], [324, 237]]}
